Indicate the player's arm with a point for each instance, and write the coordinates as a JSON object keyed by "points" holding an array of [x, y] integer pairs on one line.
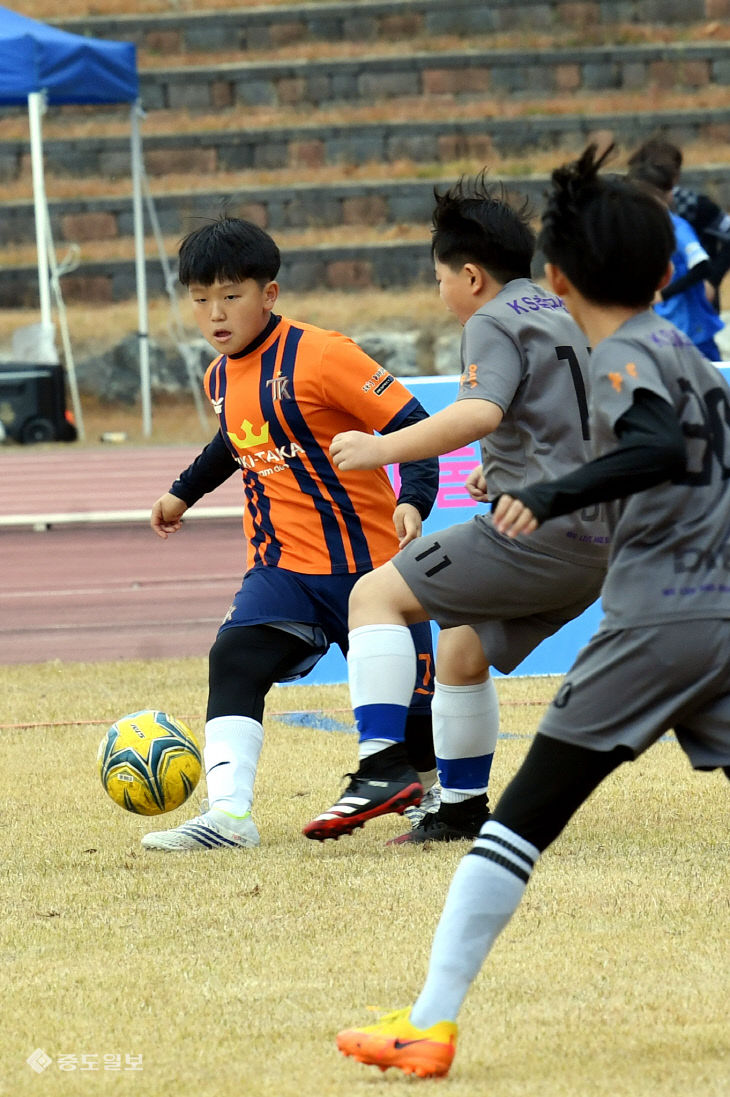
{"points": [[419, 482], [211, 468], [700, 268], [708, 271], [651, 450], [451, 428]]}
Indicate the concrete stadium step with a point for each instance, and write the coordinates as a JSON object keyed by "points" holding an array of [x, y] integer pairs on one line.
{"points": [[321, 255], [322, 87], [348, 144], [373, 204], [454, 76], [403, 41], [349, 266], [459, 75], [263, 27]]}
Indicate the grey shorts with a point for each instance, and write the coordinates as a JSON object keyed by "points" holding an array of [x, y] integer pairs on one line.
{"points": [[512, 597], [629, 686]]}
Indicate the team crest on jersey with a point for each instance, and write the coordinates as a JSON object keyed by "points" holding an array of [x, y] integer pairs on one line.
{"points": [[617, 380], [249, 438], [262, 457], [469, 377], [279, 388]]}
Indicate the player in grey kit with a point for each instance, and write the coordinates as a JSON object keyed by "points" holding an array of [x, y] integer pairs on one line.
{"points": [[660, 422], [523, 393]]}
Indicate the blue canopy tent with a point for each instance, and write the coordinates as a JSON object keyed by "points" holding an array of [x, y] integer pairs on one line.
{"points": [[69, 68], [41, 65]]}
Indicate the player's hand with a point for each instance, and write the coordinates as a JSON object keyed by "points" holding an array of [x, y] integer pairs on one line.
{"points": [[512, 517], [166, 516], [353, 449], [476, 485], [408, 523]]}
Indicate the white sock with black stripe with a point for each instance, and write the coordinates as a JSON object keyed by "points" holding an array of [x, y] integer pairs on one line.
{"points": [[485, 892]]}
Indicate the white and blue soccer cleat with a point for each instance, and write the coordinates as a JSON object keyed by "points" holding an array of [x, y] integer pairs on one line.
{"points": [[212, 830]]}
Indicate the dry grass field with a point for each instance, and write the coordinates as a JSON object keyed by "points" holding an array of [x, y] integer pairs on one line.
{"points": [[228, 974], [221, 974]]}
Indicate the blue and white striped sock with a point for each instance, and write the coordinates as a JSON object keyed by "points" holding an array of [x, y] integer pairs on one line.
{"points": [[381, 666], [465, 729]]}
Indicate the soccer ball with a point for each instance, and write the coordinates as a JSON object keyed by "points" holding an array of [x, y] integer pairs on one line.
{"points": [[149, 763]]}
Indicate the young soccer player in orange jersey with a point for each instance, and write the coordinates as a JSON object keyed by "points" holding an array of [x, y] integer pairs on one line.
{"points": [[282, 390]]}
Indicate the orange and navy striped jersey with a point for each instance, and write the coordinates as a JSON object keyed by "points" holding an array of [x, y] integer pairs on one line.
{"points": [[279, 405]]}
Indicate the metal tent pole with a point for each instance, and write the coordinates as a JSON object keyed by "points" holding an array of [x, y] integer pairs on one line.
{"points": [[141, 271], [36, 107]]}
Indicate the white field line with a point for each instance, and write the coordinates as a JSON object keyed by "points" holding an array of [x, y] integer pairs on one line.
{"points": [[44, 520]]}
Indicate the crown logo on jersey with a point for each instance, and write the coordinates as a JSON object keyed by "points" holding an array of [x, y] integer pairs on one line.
{"points": [[249, 439]]}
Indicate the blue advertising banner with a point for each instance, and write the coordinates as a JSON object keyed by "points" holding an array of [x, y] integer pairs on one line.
{"points": [[555, 655]]}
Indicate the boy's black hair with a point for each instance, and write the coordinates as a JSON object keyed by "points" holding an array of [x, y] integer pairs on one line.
{"points": [[658, 174], [474, 223], [612, 238], [228, 249], [658, 151]]}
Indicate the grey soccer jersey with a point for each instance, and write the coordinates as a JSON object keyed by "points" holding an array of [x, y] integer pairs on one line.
{"points": [[523, 352], [670, 555]]}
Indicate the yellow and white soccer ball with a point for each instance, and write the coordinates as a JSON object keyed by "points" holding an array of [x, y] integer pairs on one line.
{"points": [[149, 762]]}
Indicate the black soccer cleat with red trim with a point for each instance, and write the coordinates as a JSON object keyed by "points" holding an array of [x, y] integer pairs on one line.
{"points": [[385, 783]]}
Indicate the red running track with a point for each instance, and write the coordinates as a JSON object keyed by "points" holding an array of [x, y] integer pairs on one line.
{"points": [[38, 480], [86, 591]]}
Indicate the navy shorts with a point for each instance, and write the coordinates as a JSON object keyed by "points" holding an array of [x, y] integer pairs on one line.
{"points": [[269, 596]]}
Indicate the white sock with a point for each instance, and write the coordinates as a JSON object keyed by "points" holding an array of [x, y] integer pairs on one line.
{"points": [[369, 747], [231, 755], [381, 669], [484, 893], [465, 729]]}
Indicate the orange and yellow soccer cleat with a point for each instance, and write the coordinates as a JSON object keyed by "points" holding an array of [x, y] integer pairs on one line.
{"points": [[395, 1042]]}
